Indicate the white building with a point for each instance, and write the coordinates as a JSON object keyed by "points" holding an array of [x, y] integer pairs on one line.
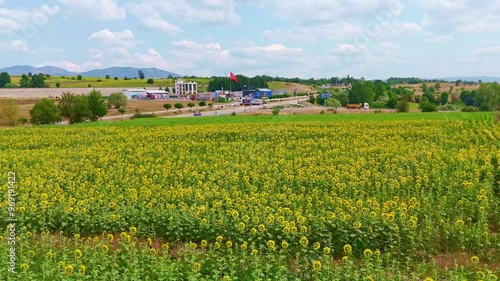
{"points": [[185, 89], [135, 93]]}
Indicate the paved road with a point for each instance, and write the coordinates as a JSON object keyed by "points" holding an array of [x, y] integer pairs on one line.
{"points": [[240, 109], [215, 112]]}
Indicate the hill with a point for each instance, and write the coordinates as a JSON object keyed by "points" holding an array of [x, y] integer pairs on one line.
{"points": [[25, 69], [486, 79], [120, 72], [131, 72]]}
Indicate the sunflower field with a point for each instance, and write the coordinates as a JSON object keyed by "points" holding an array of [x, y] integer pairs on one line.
{"points": [[315, 200]]}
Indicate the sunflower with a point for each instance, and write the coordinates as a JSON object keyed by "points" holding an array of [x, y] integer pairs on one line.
{"points": [[347, 248], [303, 241], [326, 250], [284, 245], [474, 259], [68, 269], [368, 253], [316, 266], [316, 246], [369, 278], [229, 244], [24, 266], [105, 248], [192, 246], [78, 253], [197, 266], [133, 230], [83, 268], [428, 279], [480, 274], [204, 243], [110, 237]]}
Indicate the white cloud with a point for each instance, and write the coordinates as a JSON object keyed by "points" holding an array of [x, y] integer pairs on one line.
{"points": [[161, 25], [463, 15], [487, 51], [124, 38], [24, 23], [70, 66], [439, 39], [122, 57], [338, 10], [96, 9], [15, 45], [189, 55], [193, 11]]}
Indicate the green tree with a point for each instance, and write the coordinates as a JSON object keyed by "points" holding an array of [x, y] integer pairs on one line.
{"points": [[74, 107], [117, 100], [22, 120], [4, 79], [444, 98], [427, 106], [437, 86], [202, 103], [178, 106], [58, 84], [122, 111], [150, 81], [79, 77], [190, 105], [116, 78], [333, 102], [45, 112], [38, 81], [141, 74], [107, 76], [361, 92], [312, 99], [167, 106], [9, 111], [97, 105]]}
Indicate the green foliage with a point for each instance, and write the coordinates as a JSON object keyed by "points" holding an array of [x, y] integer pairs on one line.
{"points": [[116, 78], [444, 98], [333, 102], [178, 105], [45, 112], [403, 80], [74, 107], [276, 111], [427, 106], [32, 81], [312, 99], [447, 107], [22, 120], [117, 100], [141, 74], [107, 76], [79, 77], [191, 105], [218, 83], [202, 103], [403, 106], [167, 106], [362, 92], [378, 105], [150, 81], [97, 105], [470, 109], [4, 79], [122, 110], [58, 84], [393, 103], [222, 100]]}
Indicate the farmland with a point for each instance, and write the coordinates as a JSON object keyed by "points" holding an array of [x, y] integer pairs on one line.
{"points": [[310, 197]]}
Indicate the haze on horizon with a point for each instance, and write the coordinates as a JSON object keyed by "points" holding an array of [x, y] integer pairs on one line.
{"points": [[376, 39]]}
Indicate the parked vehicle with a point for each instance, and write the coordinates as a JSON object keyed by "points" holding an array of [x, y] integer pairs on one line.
{"points": [[197, 113]]}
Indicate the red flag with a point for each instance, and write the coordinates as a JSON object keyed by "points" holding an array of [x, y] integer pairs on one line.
{"points": [[233, 77]]}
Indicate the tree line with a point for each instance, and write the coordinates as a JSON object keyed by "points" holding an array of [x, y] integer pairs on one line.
{"points": [[219, 83]]}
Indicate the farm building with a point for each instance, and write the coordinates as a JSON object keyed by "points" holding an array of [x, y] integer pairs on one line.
{"points": [[134, 93], [157, 95]]}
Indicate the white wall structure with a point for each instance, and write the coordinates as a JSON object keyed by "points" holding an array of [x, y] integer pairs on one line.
{"points": [[134, 93]]}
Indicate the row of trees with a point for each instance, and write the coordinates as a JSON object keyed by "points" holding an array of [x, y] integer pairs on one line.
{"points": [[76, 108], [219, 83], [33, 81]]}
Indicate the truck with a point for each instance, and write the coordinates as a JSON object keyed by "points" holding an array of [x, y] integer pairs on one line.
{"points": [[358, 106]]}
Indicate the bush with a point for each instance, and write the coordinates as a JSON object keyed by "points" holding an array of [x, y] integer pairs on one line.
{"points": [[447, 107], [150, 81], [428, 107], [22, 120], [117, 100], [470, 108], [378, 105], [485, 107], [403, 106], [276, 110]]}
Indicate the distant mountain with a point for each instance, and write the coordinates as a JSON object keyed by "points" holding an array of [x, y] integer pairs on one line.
{"points": [[122, 72], [485, 79], [18, 70]]}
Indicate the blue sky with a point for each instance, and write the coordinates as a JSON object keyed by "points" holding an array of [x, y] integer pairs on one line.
{"points": [[321, 38]]}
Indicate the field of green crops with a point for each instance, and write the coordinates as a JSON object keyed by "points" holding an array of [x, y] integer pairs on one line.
{"points": [[325, 197]]}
